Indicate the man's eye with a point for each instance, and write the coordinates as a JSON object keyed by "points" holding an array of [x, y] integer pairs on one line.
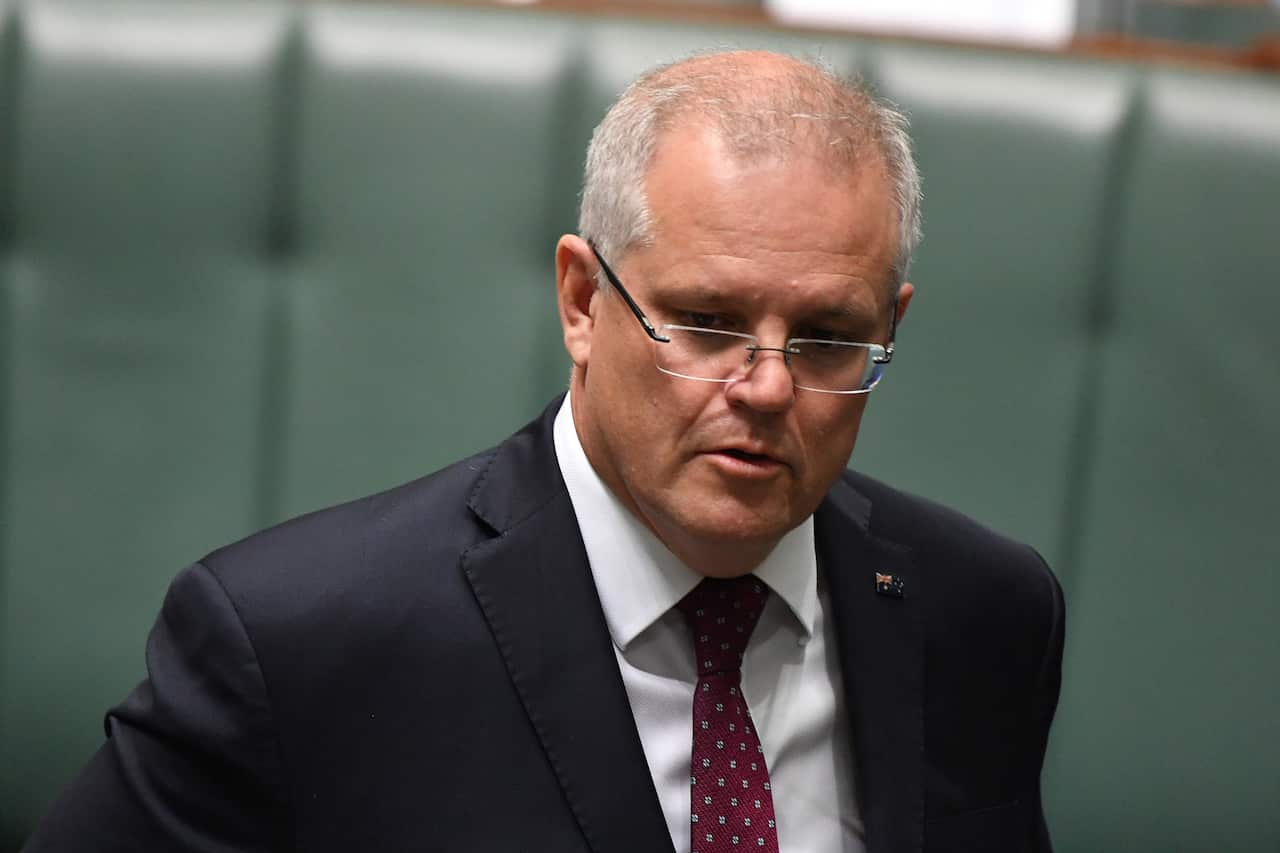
{"points": [[704, 321], [820, 334]]}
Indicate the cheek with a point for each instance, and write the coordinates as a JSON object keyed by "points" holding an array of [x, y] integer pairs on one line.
{"points": [[853, 421], [835, 434], [647, 414], [669, 423]]}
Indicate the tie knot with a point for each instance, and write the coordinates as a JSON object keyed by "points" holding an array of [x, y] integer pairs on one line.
{"points": [[722, 615]]}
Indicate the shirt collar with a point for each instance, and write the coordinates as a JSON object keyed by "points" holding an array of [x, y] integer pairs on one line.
{"points": [[637, 578]]}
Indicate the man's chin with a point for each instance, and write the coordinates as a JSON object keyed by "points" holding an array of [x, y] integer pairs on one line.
{"points": [[737, 525]]}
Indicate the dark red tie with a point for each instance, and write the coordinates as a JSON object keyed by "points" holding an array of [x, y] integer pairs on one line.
{"points": [[731, 807]]}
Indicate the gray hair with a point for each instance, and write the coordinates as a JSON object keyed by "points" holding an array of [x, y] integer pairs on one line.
{"points": [[755, 114]]}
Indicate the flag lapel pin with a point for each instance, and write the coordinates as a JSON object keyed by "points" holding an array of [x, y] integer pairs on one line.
{"points": [[890, 585]]}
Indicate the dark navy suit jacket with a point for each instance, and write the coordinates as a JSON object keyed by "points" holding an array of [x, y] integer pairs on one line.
{"points": [[429, 669]]}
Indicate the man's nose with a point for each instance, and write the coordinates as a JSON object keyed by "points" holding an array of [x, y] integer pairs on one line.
{"points": [[766, 385]]}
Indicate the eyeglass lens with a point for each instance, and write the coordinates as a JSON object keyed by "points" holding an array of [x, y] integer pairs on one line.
{"points": [[716, 356]]}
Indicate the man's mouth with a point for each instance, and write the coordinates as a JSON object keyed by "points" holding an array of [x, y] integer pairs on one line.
{"points": [[744, 463], [748, 457]]}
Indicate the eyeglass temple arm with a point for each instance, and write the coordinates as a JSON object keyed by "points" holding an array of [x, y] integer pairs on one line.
{"points": [[631, 303], [893, 332]]}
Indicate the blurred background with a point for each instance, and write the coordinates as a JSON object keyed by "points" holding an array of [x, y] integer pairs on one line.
{"points": [[260, 257]]}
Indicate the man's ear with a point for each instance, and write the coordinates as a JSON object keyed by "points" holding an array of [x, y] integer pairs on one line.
{"points": [[575, 290], [904, 299]]}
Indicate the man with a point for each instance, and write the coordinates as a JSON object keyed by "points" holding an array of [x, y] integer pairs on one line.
{"points": [[663, 616]]}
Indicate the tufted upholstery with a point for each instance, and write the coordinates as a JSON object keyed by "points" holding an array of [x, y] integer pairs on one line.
{"points": [[258, 258], [1175, 588]]}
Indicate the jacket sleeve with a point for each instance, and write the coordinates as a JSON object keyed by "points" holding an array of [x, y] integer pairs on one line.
{"points": [[191, 761]]}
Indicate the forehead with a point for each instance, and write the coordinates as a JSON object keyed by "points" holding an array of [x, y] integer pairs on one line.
{"points": [[799, 220]]}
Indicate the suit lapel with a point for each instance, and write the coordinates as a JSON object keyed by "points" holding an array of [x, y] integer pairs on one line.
{"points": [[535, 588], [882, 659]]}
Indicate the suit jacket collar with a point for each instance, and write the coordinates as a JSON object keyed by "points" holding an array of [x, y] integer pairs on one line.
{"points": [[534, 584], [881, 647]]}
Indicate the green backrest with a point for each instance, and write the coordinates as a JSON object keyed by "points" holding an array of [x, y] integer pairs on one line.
{"points": [[1019, 155], [135, 289], [1169, 735], [256, 259], [430, 188]]}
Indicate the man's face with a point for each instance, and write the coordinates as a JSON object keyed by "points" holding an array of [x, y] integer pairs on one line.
{"points": [[776, 249]]}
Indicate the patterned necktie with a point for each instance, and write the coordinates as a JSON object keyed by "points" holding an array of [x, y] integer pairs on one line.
{"points": [[731, 805]]}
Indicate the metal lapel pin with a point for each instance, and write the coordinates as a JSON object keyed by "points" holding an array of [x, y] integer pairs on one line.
{"points": [[890, 585]]}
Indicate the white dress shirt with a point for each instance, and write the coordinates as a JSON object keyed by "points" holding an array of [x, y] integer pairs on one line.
{"points": [[790, 675]]}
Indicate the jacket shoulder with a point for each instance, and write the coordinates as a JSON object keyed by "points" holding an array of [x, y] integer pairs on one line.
{"points": [[949, 544], [411, 526]]}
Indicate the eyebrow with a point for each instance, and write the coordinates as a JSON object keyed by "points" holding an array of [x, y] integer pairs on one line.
{"points": [[842, 312], [711, 297], [699, 293]]}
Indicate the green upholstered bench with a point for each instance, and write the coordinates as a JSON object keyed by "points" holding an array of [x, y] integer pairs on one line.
{"points": [[257, 258]]}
